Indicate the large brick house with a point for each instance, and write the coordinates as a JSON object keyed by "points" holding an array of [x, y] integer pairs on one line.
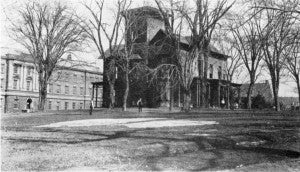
{"points": [[70, 86], [148, 30]]}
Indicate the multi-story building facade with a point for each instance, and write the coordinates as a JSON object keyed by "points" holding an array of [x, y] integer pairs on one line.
{"points": [[153, 47], [70, 86]]}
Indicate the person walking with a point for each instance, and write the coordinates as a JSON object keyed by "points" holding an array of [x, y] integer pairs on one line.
{"points": [[91, 106], [140, 104], [29, 101]]}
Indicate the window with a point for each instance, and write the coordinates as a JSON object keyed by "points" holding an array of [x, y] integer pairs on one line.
{"points": [[2, 67], [97, 78], [224, 76], [66, 105], [66, 89], [92, 79], [220, 72], [58, 74], [16, 105], [49, 105], [16, 68], [29, 71], [211, 68], [67, 76], [81, 106], [82, 78], [28, 85], [50, 88], [81, 90], [74, 90], [58, 89], [15, 84], [2, 82], [91, 91], [74, 105], [57, 105], [118, 72], [75, 77], [2, 105]]}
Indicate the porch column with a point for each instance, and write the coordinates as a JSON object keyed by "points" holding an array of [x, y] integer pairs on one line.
{"points": [[93, 91], [239, 96], [96, 104], [227, 96], [198, 93], [179, 101], [218, 94], [208, 95]]}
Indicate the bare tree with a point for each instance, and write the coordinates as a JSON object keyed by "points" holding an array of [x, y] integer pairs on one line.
{"points": [[276, 38], [292, 64], [250, 50], [129, 59], [285, 6], [226, 44], [100, 33], [172, 70], [201, 24], [47, 32]]}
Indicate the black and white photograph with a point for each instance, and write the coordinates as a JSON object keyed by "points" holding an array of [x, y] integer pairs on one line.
{"points": [[150, 85]]}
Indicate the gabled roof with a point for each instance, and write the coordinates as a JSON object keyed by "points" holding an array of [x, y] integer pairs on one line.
{"points": [[263, 89], [185, 40]]}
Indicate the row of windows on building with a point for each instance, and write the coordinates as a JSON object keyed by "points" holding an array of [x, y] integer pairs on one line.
{"points": [[74, 77], [211, 69], [58, 89], [67, 90], [66, 75], [56, 105], [66, 105], [16, 84]]}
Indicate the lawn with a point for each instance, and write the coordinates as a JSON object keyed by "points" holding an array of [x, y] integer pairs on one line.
{"points": [[154, 140]]}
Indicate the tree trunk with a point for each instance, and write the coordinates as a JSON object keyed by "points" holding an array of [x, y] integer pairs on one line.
{"points": [[105, 94], [275, 85], [187, 100], [249, 95], [111, 95], [204, 83], [42, 93], [171, 97], [125, 97], [298, 86]]}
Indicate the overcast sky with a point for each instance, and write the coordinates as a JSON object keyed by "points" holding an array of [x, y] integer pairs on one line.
{"points": [[8, 11]]}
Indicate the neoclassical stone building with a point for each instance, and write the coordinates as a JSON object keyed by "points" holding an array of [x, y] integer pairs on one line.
{"points": [[70, 86]]}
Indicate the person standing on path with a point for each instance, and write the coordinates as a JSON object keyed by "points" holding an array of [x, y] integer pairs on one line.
{"points": [[140, 104], [91, 106], [29, 101]]}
